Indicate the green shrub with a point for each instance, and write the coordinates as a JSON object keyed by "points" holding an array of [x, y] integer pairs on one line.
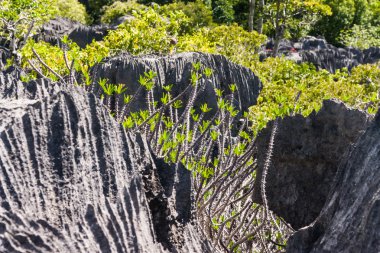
{"points": [[118, 9], [232, 41], [18, 15], [148, 32], [346, 14], [200, 15], [291, 88], [73, 10], [53, 56], [19, 20], [199, 138], [222, 11], [361, 36], [94, 8]]}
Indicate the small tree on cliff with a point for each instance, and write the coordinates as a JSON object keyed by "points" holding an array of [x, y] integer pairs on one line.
{"points": [[283, 12], [278, 16], [19, 20]]}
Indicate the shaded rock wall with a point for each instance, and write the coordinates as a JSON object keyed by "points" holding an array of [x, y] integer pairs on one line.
{"points": [[333, 59], [71, 179], [350, 220], [55, 29], [176, 69], [306, 156], [3, 58], [323, 55]]}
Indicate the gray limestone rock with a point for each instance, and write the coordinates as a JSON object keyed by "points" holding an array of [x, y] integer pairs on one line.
{"points": [[306, 155], [350, 219], [4, 55], [72, 180], [176, 69], [323, 55], [55, 29]]}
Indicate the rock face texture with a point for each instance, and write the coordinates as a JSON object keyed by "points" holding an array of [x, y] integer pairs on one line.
{"points": [[176, 70], [3, 58], [72, 180], [81, 34], [350, 220], [305, 159], [323, 55], [333, 58]]}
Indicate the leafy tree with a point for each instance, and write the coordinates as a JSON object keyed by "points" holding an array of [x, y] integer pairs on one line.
{"points": [[200, 14], [19, 20], [73, 10], [361, 36], [365, 31], [118, 9], [95, 7], [283, 13], [222, 11], [148, 32], [345, 14], [232, 41]]}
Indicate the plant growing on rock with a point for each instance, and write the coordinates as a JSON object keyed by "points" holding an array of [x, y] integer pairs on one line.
{"points": [[291, 88], [19, 20], [148, 32], [220, 156]]}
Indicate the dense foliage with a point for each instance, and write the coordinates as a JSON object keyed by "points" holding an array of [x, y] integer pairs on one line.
{"points": [[73, 10], [346, 15], [118, 9], [291, 88], [361, 36]]}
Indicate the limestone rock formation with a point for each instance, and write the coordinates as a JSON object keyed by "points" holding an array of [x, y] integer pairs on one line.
{"points": [[72, 180], [3, 58], [176, 69], [306, 156], [323, 55], [350, 220], [55, 29]]}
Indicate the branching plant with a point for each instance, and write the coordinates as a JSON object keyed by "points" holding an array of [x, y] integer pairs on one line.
{"points": [[220, 157], [216, 144], [19, 19]]}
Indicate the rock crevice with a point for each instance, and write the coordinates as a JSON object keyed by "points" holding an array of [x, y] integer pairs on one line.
{"points": [[72, 180]]}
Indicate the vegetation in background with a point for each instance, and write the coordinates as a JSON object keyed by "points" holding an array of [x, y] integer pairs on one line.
{"points": [[148, 32], [361, 36], [346, 14], [222, 11], [279, 17], [290, 88], [20, 20], [73, 10], [199, 14], [118, 9], [95, 8], [232, 41]]}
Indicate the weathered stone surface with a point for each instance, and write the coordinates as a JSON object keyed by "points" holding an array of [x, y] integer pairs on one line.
{"points": [[323, 55], [350, 220], [72, 180], [55, 29], [306, 155], [3, 58], [176, 69]]}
